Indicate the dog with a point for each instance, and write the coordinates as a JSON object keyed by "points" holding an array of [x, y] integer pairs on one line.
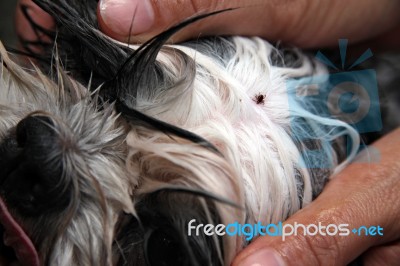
{"points": [[109, 150]]}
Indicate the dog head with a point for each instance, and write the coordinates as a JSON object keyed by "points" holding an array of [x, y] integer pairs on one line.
{"points": [[62, 180], [205, 133]]}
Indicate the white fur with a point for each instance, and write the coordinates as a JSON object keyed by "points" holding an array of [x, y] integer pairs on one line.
{"points": [[259, 156]]}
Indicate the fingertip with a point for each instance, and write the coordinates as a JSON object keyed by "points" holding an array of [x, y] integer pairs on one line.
{"points": [[261, 257], [22, 25], [139, 20], [123, 18]]}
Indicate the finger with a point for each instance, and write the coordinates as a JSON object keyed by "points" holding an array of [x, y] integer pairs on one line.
{"points": [[361, 195], [383, 255], [385, 42], [306, 23], [24, 28]]}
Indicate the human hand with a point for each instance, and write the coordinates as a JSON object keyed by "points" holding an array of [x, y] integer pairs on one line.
{"points": [[23, 26], [361, 195], [304, 23]]}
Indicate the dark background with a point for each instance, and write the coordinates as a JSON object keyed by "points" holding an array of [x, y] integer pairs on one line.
{"points": [[7, 31]]}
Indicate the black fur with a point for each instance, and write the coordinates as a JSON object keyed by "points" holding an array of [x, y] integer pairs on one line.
{"points": [[157, 237], [120, 70]]}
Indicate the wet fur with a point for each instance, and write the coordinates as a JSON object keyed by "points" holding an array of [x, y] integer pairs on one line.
{"points": [[147, 138]]}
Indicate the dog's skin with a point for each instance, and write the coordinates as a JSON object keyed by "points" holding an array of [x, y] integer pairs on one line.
{"points": [[108, 164]]}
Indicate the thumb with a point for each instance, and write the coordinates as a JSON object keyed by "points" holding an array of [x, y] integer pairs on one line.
{"points": [[362, 196], [139, 20], [305, 23]]}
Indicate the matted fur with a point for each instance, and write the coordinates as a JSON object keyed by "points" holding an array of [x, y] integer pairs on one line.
{"points": [[171, 133]]}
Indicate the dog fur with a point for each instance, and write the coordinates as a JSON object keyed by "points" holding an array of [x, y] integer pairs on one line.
{"points": [[110, 149]]}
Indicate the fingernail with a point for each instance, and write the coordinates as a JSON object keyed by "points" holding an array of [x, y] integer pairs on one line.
{"points": [[264, 257], [127, 17]]}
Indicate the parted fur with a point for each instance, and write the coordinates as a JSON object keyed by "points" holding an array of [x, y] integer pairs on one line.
{"points": [[144, 139]]}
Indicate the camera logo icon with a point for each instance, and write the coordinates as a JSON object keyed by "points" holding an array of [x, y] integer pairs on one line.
{"points": [[350, 96]]}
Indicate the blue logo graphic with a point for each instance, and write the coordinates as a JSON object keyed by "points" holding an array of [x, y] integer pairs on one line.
{"points": [[250, 231], [351, 96]]}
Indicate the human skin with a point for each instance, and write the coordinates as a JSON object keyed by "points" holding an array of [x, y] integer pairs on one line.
{"points": [[362, 194], [304, 23]]}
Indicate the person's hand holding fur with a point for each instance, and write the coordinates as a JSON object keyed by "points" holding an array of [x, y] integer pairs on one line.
{"points": [[362, 194], [303, 23]]}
